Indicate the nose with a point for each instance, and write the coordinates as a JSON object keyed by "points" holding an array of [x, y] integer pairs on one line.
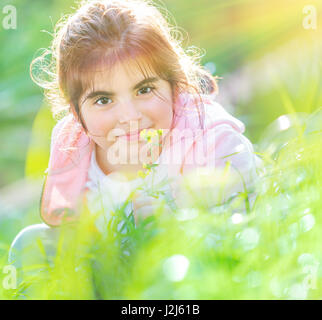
{"points": [[128, 112]]}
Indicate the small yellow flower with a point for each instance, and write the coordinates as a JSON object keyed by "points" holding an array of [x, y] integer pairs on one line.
{"points": [[143, 134], [153, 133], [141, 174], [150, 133]]}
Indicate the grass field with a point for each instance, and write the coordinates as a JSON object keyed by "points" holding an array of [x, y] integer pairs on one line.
{"points": [[271, 69]]}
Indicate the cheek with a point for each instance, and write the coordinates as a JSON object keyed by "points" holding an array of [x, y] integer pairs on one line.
{"points": [[98, 123], [160, 112]]}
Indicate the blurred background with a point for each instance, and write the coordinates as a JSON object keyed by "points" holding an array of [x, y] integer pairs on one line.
{"points": [[268, 54]]}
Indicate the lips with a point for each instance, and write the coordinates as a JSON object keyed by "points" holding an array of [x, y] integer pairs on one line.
{"points": [[135, 135]]}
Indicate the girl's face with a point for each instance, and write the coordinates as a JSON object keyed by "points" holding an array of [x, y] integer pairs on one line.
{"points": [[123, 101]]}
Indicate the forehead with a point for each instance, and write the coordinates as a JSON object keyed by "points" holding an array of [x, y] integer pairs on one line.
{"points": [[126, 73]]}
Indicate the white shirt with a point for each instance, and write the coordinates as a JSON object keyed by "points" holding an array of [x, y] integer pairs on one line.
{"points": [[109, 192]]}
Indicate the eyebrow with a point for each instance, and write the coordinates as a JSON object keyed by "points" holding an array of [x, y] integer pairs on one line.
{"points": [[109, 93]]}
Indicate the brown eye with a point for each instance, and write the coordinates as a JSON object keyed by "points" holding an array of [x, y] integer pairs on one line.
{"points": [[103, 101], [145, 90]]}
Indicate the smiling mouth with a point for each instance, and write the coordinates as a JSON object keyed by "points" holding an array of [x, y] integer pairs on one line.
{"points": [[135, 135]]}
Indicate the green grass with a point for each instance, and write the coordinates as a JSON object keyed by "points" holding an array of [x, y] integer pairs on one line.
{"points": [[200, 252]]}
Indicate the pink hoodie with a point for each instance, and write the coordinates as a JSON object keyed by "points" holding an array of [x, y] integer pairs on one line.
{"points": [[70, 154]]}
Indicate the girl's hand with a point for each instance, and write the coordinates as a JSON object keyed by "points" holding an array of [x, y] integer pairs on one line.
{"points": [[143, 206]]}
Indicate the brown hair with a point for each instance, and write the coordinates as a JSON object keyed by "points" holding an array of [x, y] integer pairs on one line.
{"points": [[103, 32]]}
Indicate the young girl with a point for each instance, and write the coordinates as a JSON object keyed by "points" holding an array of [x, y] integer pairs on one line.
{"points": [[119, 69]]}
